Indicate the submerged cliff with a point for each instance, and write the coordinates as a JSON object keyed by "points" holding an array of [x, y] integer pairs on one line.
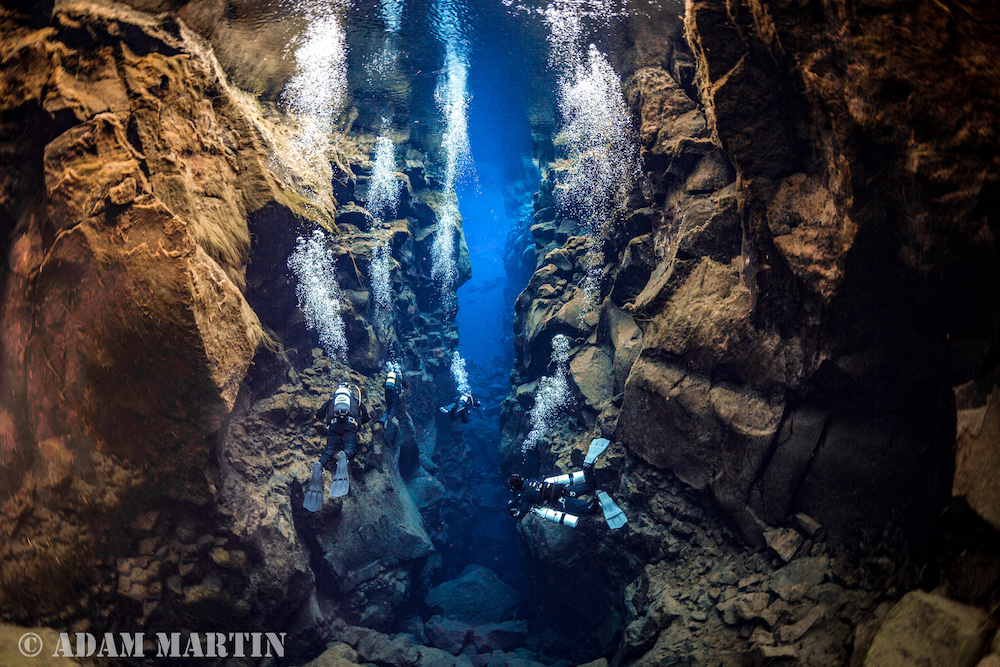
{"points": [[797, 303], [160, 381]]}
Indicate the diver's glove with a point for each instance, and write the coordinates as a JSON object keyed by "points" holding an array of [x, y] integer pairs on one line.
{"points": [[514, 509]]}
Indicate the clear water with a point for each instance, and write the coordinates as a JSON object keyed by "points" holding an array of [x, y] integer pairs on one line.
{"points": [[485, 75], [489, 79]]}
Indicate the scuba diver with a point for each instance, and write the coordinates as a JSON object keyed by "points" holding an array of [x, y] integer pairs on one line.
{"points": [[393, 390], [341, 415], [464, 402], [558, 498]]}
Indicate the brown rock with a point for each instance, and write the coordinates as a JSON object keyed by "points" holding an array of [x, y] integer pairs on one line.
{"points": [[337, 655], [977, 464], [794, 580], [784, 541], [713, 172], [672, 126], [708, 321], [939, 630], [618, 330], [792, 633], [590, 369], [811, 232], [761, 637], [768, 655], [635, 269], [800, 435], [677, 420], [710, 226], [448, 634], [807, 524]]}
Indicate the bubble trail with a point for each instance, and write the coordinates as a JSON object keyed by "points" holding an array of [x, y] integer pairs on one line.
{"points": [[452, 99], [383, 188], [553, 396], [380, 270], [595, 130], [459, 374], [319, 295], [316, 94]]}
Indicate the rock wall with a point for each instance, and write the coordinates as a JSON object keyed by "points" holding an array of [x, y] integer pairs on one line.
{"points": [[153, 449], [126, 335], [785, 308]]}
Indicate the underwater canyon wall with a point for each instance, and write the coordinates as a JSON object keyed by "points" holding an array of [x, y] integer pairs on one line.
{"points": [[160, 381], [798, 304]]}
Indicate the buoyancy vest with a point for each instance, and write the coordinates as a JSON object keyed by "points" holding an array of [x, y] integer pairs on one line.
{"points": [[537, 492]]}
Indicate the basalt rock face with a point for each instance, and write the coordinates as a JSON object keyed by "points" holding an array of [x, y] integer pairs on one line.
{"points": [[126, 335], [868, 195], [373, 552], [153, 450], [785, 306]]}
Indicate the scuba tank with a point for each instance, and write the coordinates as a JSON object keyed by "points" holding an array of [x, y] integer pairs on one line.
{"points": [[577, 477], [342, 402], [557, 516]]}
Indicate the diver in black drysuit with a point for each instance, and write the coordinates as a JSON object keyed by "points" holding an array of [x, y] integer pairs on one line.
{"points": [[342, 415], [562, 497], [461, 407], [393, 391], [558, 498]]}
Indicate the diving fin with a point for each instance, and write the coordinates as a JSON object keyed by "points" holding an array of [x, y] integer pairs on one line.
{"points": [[313, 500], [597, 447], [341, 483], [613, 515]]}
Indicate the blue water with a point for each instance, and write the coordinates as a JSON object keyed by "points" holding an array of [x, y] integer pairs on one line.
{"points": [[504, 61]]}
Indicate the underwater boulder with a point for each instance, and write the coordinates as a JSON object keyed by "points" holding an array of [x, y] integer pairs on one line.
{"points": [[977, 459], [448, 634], [477, 597], [499, 636], [338, 654], [939, 630], [637, 265], [712, 436], [710, 226], [673, 130], [377, 534]]}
